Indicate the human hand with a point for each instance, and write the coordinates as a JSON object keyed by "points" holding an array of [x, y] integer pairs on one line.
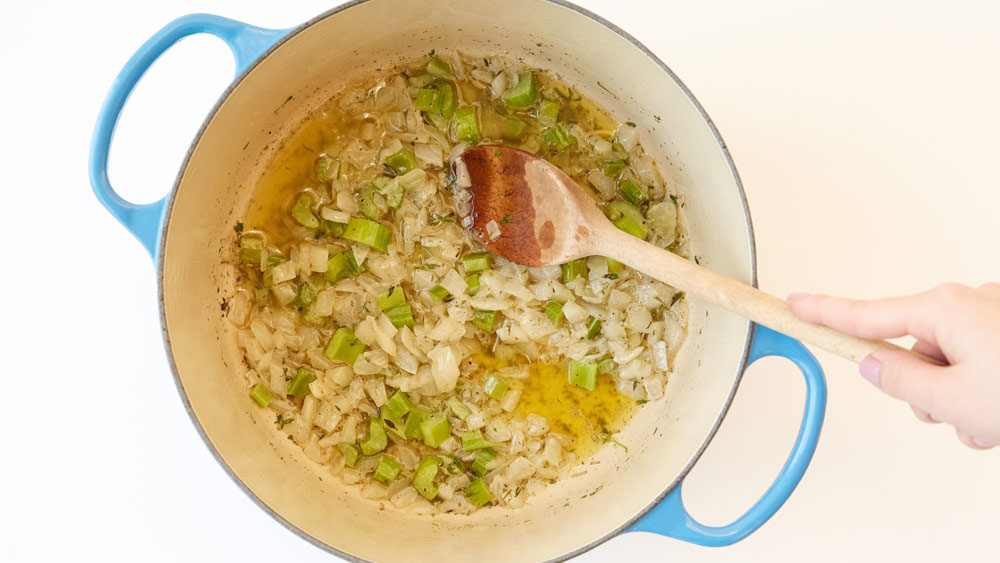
{"points": [[954, 324]]}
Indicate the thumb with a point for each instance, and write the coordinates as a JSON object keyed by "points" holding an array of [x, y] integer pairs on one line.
{"points": [[908, 378]]}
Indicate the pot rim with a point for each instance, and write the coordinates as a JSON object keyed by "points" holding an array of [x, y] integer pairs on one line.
{"points": [[163, 319]]}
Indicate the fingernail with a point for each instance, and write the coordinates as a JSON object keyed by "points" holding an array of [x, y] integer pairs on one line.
{"points": [[982, 443], [797, 294], [870, 368]]}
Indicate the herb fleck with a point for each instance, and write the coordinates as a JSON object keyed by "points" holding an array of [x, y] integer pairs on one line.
{"points": [[677, 297], [505, 220], [238, 228], [673, 198], [282, 421], [630, 123]]}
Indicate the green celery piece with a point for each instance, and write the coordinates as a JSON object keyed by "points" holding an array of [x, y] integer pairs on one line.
{"points": [[411, 428], [593, 327], [484, 320], [326, 168], [250, 249], [303, 214], [402, 162], [574, 269], [386, 471], [522, 94], [401, 315], [336, 267], [473, 440], [460, 409], [631, 191], [557, 138], [420, 80], [299, 387], [351, 453], [449, 463], [437, 67], [344, 346], [627, 217], [436, 429], [448, 100], [553, 310], [466, 126], [513, 129], [304, 296], [479, 465], [478, 493], [606, 366], [366, 202], [273, 260], [472, 284], [429, 100], [398, 405], [439, 293], [476, 262], [548, 113], [583, 374], [353, 268], [392, 298], [368, 232], [376, 439], [495, 387], [261, 394], [614, 266], [423, 478], [613, 167], [394, 199]]}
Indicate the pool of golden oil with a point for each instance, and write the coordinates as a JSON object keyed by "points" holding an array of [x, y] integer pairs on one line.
{"points": [[588, 418]]}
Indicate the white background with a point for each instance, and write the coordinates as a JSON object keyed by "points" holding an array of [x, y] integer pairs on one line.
{"points": [[865, 133]]}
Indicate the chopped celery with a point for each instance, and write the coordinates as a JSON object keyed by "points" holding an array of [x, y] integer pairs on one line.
{"points": [[376, 439], [513, 128], [394, 199], [387, 470], [303, 214], [304, 296], [331, 228], [351, 453], [593, 327], [522, 94], [250, 250], [485, 456], [458, 408], [366, 201], [472, 284], [495, 387], [477, 493], [574, 269], [613, 167], [423, 478], [437, 67], [353, 268], [466, 127], [392, 298], [420, 80], [368, 232], [473, 440], [557, 138], [402, 161], [548, 113], [476, 262], [299, 387], [436, 429], [428, 99], [273, 260], [626, 217], [631, 191], [614, 266], [484, 320], [400, 316], [392, 423], [606, 366], [439, 293], [447, 94], [411, 428], [449, 463], [336, 267], [553, 310], [262, 395], [583, 374], [344, 346], [398, 405], [327, 168]]}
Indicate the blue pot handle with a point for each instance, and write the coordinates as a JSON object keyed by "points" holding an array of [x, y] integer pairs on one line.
{"points": [[246, 42], [669, 518]]}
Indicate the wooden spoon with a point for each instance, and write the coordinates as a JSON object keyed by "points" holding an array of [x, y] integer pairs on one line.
{"points": [[545, 219]]}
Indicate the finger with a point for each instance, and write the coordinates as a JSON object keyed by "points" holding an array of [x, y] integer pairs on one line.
{"points": [[972, 441], [884, 318], [902, 375], [924, 416], [929, 350]]}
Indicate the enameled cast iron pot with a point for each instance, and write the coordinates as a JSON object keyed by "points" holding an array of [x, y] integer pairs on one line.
{"points": [[281, 76]]}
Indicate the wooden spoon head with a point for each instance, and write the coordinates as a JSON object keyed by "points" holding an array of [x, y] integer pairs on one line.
{"points": [[524, 208]]}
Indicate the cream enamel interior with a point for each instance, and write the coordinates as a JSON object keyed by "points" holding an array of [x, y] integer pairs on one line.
{"points": [[215, 187]]}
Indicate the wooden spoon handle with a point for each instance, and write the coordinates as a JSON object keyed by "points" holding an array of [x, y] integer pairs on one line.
{"points": [[731, 295]]}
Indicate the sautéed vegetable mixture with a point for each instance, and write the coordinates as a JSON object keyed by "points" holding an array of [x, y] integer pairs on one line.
{"points": [[393, 348]]}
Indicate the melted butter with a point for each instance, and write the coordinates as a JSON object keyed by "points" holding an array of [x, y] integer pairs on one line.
{"points": [[587, 418]]}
